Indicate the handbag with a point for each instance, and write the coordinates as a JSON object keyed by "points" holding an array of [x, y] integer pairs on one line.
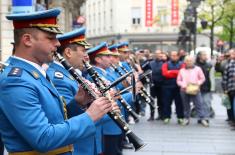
{"points": [[192, 89]]}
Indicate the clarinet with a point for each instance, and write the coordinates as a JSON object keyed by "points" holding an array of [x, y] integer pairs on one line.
{"points": [[136, 141], [101, 84], [143, 93], [143, 89]]}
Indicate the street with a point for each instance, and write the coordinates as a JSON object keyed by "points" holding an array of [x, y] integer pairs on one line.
{"points": [[194, 139]]}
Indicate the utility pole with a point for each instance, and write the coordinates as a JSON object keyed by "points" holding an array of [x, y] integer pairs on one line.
{"points": [[195, 30]]}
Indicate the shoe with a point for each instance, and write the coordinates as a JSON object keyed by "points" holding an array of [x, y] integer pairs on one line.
{"points": [[204, 123], [166, 121], [232, 123], [212, 113], [127, 146], [137, 120], [142, 113], [150, 118], [186, 122], [180, 121]]}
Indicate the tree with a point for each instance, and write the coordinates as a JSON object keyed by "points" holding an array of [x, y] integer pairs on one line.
{"points": [[228, 24], [212, 11]]}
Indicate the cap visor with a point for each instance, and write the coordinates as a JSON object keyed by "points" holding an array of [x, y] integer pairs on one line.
{"points": [[55, 30], [85, 44]]}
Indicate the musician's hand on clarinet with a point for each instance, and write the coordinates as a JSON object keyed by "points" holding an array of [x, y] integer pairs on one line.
{"points": [[115, 107], [93, 87], [99, 107], [82, 97], [139, 85], [112, 93]]}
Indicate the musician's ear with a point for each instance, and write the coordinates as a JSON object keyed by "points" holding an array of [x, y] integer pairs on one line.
{"points": [[98, 60], [67, 52]]}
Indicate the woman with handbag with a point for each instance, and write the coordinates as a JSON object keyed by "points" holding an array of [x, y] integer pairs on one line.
{"points": [[189, 80]]}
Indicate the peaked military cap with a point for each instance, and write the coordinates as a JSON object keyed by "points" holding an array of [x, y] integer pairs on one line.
{"points": [[76, 36], [123, 47], [101, 49], [114, 50], [44, 20]]}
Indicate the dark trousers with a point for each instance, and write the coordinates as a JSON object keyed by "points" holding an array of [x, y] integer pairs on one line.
{"points": [[170, 94], [113, 144], [230, 114], [1, 147], [139, 104], [156, 93]]}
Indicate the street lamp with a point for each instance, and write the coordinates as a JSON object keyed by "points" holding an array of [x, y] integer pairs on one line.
{"points": [[193, 10]]}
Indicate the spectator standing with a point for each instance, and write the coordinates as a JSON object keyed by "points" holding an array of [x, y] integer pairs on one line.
{"points": [[192, 76], [157, 78], [221, 62], [205, 88], [170, 90], [228, 83], [182, 54]]}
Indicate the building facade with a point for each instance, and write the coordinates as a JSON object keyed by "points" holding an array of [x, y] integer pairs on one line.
{"points": [[144, 23]]}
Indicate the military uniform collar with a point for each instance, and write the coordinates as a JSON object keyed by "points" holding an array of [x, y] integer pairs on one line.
{"points": [[101, 69], [38, 67], [56, 62]]}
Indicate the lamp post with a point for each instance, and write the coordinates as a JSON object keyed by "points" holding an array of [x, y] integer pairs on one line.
{"points": [[192, 23]]}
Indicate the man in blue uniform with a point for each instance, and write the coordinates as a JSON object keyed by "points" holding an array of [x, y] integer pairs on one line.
{"points": [[99, 57], [114, 58], [73, 48], [124, 51], [1, 144], [126, 62], [33, 118]]}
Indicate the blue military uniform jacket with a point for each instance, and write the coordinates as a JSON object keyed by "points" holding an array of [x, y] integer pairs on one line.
{"points": [[126, 65], [31, 112], [126, 96], [67, 87]]}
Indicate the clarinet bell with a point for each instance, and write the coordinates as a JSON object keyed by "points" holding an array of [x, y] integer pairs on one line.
{"points": [[136, 141]]}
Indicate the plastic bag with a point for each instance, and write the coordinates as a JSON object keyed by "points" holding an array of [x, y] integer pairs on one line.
{"points": [[226, 102]]}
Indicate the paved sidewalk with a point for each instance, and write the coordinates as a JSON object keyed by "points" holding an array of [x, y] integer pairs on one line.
{"points": [[194, 139]]}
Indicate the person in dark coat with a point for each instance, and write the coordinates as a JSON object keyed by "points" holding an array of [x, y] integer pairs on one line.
{"points": [[157, 78], [201, 61]]}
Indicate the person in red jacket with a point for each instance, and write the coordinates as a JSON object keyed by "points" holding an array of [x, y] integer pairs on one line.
{"points": [[170, 89]]}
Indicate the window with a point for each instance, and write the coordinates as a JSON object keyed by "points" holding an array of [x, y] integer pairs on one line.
{"points": [[136, 15]]}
